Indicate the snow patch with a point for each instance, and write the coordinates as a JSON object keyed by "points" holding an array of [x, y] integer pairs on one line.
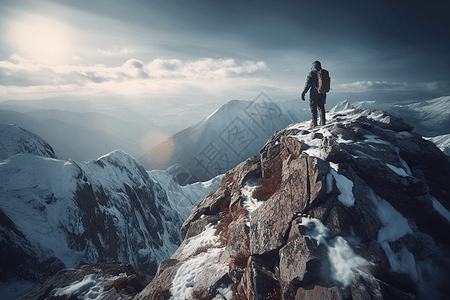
{"points": [[90, 288], [315, 230], [249, 202], [440, 208], [224, 291], [395, 227], [375, 140], [399, 171], [442, 142], [207, 237], [343, 260], [344, 185], [401, 262], [395, 224], [185, 278]]}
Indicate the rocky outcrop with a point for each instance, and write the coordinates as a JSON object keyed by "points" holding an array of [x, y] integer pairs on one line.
{"points": [[356, 209]]}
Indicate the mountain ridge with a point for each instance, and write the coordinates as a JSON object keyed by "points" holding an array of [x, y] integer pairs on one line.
{"points": [[225, 138], [355, 209]]}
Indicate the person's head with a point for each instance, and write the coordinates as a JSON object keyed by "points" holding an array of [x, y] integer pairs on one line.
{"points": [[316, 66]]}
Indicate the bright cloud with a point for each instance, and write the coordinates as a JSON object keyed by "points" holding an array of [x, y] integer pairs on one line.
{"points": [[22, 72], [366, 86], [158, 76], [115, 52]]}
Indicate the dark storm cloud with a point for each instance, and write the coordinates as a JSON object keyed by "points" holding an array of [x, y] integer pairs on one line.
{"points": [[339, 30]]}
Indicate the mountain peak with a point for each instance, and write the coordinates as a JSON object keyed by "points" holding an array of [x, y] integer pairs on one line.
{"points": [[15, 140], [342, 106], [355, 209]]}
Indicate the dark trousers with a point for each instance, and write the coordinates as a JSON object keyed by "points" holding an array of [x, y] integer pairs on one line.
{"points": [[317, 102]]}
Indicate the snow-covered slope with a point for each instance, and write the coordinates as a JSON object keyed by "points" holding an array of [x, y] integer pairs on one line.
{"points": [[14, 140], [59, 213], [231, 134], [429, 118], [442, 142]]}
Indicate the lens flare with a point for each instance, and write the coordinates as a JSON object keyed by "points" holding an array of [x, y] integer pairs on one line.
{"points": [[158, 149]]}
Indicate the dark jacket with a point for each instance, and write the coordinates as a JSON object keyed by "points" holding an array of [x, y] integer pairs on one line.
{"points": [[312, 82]]}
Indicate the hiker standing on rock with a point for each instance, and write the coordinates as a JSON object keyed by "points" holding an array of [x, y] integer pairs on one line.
{"points": [[318, 80]]}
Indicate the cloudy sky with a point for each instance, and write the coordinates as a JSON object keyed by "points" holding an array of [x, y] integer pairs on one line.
{"points": [[220, 50]]}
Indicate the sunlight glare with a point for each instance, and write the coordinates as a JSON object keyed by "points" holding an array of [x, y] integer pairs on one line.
{"points": [[42, 39]]}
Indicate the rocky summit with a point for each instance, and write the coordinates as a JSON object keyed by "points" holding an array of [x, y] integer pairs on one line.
{"points": [[355, 209]]}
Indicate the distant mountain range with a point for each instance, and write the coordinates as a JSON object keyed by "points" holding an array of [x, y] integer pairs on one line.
{"points": [[81, 136], [87, 130]]}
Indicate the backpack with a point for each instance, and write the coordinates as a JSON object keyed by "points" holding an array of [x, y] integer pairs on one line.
{"points": [[324, 81]]}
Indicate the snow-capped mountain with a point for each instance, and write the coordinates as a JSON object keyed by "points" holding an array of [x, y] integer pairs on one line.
{"points": [[15, 140], [356, 209], [443, 143], [239, 129], [234, 132], [59, 213], [429, 118]]}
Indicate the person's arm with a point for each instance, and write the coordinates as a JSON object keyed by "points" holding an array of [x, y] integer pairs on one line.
{"points": [[307, 86]]}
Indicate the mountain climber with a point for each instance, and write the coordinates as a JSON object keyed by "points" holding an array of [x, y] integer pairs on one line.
{"points": [[317, 94]]}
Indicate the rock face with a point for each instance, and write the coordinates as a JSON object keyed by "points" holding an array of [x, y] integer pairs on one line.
{"points": [[356, 209]]}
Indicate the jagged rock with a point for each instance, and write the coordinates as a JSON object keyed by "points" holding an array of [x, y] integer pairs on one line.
{"points": [[228, 189], [304, 186], [210, 278], [359, 213], [318, 292], [395, 124], [302, 260], [166, 263], [365, 286], [159, 287], [338, 221], [196, 227], [258, 281], [238, 240]]}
